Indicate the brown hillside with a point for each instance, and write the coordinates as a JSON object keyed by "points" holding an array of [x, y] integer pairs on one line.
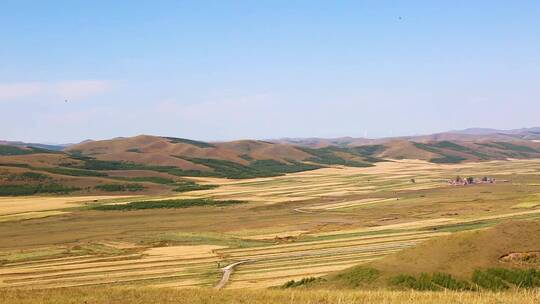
{"points": [[461, 253], [403, 149], [154, 150]]}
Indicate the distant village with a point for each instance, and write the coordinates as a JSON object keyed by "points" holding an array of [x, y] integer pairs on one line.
{"points": [[459, 181]]}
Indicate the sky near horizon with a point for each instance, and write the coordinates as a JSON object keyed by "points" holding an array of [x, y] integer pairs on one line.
{"points": [[222, 70]]}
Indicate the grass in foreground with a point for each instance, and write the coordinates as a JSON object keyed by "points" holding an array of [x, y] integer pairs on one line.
{"points": [[99, 295], [167, 204]]}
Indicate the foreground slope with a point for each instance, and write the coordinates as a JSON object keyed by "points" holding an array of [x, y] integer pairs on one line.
{"points": [[468, 259]]}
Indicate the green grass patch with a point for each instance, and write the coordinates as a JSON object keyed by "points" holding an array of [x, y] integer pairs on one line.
{"points": [[192, 186], [301, 282], [327, 156], [488, 280], [27, 176], [356, 276], [6, 150], [257, 168], [528, 278], [514, 147], [71, 172], [120, 187], [150, 179], [17, 190], [423, 282], [168, 204], [447, 281]]}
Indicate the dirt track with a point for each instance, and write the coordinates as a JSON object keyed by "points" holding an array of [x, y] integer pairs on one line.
{"points": [[227, 271]]}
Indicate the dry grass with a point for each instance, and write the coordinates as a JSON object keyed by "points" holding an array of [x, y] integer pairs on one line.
{"points": [[207, 296], [354, 217], [16, 205]]}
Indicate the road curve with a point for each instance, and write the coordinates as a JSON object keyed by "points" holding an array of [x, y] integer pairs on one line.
{"points": [[227, 271]]}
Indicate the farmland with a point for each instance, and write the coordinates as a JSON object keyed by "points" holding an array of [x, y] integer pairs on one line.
{"points": [[303, 224]]}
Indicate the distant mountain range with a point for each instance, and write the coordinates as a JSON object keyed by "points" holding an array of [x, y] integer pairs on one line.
{"points": [[471, 134], [251, 158]]}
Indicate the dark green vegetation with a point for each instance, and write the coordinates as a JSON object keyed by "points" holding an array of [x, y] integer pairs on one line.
{"points": [[30, 183], [301, 282], [500, 278], [27, 177], [493, 279], [451, 152], [191, 186], [442, 148], [15, 190], [120, 187], [257, 168], [196, 143], [168, 204], [70, 171], [14, 150], [446, 281], [328, 156], [356, 276], [511, 149], [134, 150], [150, 179], [434, 282]]}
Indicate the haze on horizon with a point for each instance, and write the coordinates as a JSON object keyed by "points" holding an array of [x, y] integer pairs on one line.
{"points": [[221, 70]]}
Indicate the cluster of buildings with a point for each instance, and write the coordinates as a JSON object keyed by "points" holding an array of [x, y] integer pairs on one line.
{"points": [[459, 181]]}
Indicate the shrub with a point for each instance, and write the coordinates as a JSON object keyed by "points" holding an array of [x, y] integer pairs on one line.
{"points": [[488, 280], [447, 281], [521, 278], [134, 150], [191, 186], [16, 190], [423, 282], [150, 179], [327, 156], [200, 144], [302, 282], [119, 187], [28, 176], [168, 204], [356, 276], [71, 172]]}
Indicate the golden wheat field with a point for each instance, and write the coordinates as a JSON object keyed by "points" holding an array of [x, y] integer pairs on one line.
{"points": [[306, 224]]}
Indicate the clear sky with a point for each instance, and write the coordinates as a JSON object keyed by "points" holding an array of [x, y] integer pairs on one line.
{"points": [[220, 70]]}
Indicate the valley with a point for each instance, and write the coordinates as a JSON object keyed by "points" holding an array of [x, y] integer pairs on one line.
{"points": [[288, 227]]}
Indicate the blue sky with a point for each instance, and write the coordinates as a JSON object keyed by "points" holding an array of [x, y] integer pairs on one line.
{"points": [[221, 70]]}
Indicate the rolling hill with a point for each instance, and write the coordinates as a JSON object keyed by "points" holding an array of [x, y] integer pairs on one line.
{"points": [[156, 164]]}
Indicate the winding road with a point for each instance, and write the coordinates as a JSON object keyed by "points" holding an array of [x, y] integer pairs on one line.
{"points": [[227, 271]]}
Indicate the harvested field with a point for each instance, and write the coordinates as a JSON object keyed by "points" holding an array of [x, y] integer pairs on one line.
{"points": [[164, 265], [299, 225], [18, 205]]}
